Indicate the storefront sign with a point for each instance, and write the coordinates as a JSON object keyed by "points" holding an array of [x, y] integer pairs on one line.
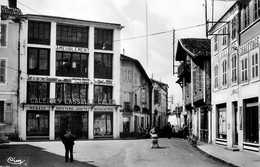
{"points": [[108, 82], [254, 43], [58, 101], [59, 80], [71, 108], [103, 108], [38, 107], [71, 49], [10, 13]]}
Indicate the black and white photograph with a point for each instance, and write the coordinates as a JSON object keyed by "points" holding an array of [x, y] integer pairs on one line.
{"points": [[130, 83]]}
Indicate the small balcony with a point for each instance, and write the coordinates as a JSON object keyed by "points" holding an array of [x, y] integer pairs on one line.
{"points": [[182, 69]]}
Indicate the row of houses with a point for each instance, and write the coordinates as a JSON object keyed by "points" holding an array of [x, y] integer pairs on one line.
{"points": [[220, 79], [58, 73]]}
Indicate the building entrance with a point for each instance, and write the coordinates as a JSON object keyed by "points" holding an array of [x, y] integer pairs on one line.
{"points": [[76, 121]]}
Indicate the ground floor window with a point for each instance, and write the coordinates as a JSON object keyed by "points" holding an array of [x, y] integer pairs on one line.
{"points": [[77, 121], [37, 123], [103, 124], [251, 121], [222, 121], [126, 124]]}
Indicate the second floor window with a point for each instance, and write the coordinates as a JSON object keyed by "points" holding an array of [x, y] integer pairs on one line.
{"points": [[37, 91], [255, 65], [246, 14], [103, 39], [103, 65], [215, 43], [2, 71], [244, 69], [103, 94], [72, 36], [216, 76], [224, 72], [234, 28], [224, 39], [71, 64], [127, 74], [38, 61], [39, 32], [256, 9], [234, 68], [3, 35], [72, 92]]}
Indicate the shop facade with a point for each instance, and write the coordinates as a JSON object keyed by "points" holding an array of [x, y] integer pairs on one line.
{"points": [[235, 72], [68, 78]]}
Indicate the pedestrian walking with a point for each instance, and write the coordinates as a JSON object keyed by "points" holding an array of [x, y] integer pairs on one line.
{"points": [[68, 141], [169, 130]]}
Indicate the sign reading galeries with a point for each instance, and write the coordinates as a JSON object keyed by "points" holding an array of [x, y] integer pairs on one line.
{"points": [[71, 49]]}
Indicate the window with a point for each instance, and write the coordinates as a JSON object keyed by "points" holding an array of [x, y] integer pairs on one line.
{"points": [[234, 68], [256, 9], [215, 43], [246, 14], [72, 36], [222, 122], [103, 39], [71, 64], [127, 74], [37, 123], [244, 70], [136, 78], [2, 111], [37, 91], [2, 71], [234, 28], [255, 65], [102, 94], [224, 39], [216, 76], [3, 35], [103, 124], [251, 121], [103, 65], [39, 32], [224, 72], [195, 85], [38, 61], [72, 93]]}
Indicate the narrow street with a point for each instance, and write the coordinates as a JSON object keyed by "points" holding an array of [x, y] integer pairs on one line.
{"points": [[108, 153]]}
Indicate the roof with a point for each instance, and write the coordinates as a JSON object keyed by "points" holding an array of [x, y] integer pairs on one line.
{"points": [[139, 66], [162, 85], [73, 21], [194, 47]]}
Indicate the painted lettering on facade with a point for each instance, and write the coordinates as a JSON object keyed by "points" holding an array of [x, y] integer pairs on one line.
{"points": [[58, 101], [59, 80], [71, 108], [108, 82], [254, 43], [72, 49], [104, 108], [10, 13], [38, 107]]}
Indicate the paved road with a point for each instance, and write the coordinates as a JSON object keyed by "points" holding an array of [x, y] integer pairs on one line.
{"points": [[107, 153]]}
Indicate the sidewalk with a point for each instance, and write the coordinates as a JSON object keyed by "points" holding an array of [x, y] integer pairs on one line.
{"points": [[234, 158]]}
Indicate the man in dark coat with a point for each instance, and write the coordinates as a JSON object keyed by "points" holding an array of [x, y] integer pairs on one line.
{"points": [[68, 141]]}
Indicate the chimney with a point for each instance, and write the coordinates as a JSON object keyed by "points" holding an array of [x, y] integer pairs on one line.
{"points": [[12, 3]]}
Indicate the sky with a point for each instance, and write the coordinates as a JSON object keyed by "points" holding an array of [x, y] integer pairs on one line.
{"points": [[157, 18]]}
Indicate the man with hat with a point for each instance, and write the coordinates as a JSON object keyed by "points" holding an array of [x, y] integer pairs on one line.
{"points": [[68, 141]]}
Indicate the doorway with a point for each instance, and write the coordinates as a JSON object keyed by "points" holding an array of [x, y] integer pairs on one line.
{"points": [[235, 123]]}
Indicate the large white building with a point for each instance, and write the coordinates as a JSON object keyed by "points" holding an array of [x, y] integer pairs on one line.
{"points": [[235, 77], [69, 78]]}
